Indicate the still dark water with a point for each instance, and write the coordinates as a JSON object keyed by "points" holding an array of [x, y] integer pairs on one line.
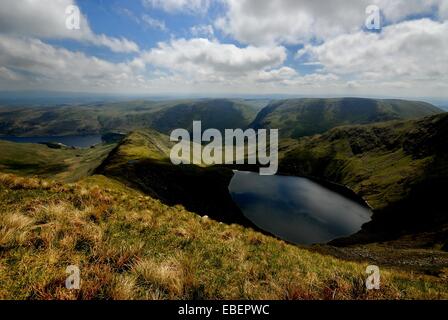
{"points": [[71, 141], [296, 209]]}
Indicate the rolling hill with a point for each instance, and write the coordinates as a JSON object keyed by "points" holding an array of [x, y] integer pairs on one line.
{"points": [[144, 228], [141, 161], [139, 216], [400, 168], [163, 116], [63, 164], [296, 118]]}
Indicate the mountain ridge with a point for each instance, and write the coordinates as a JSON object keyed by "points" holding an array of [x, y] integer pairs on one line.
{"points": [[296, 118], [98, 118], [398, 167]]}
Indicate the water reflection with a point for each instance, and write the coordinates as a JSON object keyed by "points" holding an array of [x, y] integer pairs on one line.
{"points": [[296, 209]]}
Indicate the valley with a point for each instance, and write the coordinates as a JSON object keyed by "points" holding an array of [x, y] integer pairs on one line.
{"points": [[136, 214]]}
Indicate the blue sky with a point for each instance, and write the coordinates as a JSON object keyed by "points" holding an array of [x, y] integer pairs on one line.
{"points": [[226, 46], [124, 19]]}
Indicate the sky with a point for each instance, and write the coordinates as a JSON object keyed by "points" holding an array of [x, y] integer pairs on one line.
{"points": [[228, 47]]}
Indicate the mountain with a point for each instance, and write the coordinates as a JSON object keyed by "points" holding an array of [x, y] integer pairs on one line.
{"points": [[163, 116], [141, 161], [142, 228], [131, 246], [400, 168], [296, 118]]}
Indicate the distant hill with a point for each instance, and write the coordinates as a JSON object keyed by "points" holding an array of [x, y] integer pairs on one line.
{"points": [[400, 168], [303, 117], [46, 161], [126, 116], [219, 114]]}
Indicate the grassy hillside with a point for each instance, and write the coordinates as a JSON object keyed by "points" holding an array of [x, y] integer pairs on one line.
{"points": [[304, 117], [130, 246], [142, 161], [219, 114], [64, 164], [400, 168], [142, 228], [125, 116]]}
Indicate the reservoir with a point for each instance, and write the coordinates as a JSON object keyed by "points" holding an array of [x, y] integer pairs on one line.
{"points": [[71, 141], [296, 209]]}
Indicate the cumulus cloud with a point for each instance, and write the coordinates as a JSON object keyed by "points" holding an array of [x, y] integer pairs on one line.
{"points": [[277, 75], [407, 51], [406, 57], [175, 6], [299, 21], [195, 63], [36, 63], [46, 19], [206, 58]]}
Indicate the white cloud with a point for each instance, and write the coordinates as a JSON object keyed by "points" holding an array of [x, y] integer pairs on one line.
{"points": [[203, 30], [145, 20], [205, 58], [196, 64], [114, 44], [175, 6], [153, 23], [281, 74], [406, 58], [299, 21], [9, 75], [408, 55], [443, 10], [46, 19], [39, 64], [397, 10]]}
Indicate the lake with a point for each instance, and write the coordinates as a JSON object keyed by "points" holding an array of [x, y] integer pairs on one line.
{"points": [[296, 209], [71, 141]]}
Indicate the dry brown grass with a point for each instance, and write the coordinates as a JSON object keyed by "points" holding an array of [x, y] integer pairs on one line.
{"points": [[129, 246], [14, 229]]}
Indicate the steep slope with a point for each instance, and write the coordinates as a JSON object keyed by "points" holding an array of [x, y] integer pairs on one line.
{"points": [[142, 161], [296, 118], [130, 246], [400, 168], [125, 116]]}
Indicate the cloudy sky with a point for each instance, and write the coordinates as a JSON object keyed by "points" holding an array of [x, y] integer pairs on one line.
{"points": [[316, 47]]}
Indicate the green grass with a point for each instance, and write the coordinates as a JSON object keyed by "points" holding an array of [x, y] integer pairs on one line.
{"points": [[130, 246], [399, 168], [61, 164], [132, 239], [141, 161], [296, 118]]}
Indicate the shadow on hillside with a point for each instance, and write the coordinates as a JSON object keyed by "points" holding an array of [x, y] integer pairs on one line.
{"points": [[200, 190]]}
